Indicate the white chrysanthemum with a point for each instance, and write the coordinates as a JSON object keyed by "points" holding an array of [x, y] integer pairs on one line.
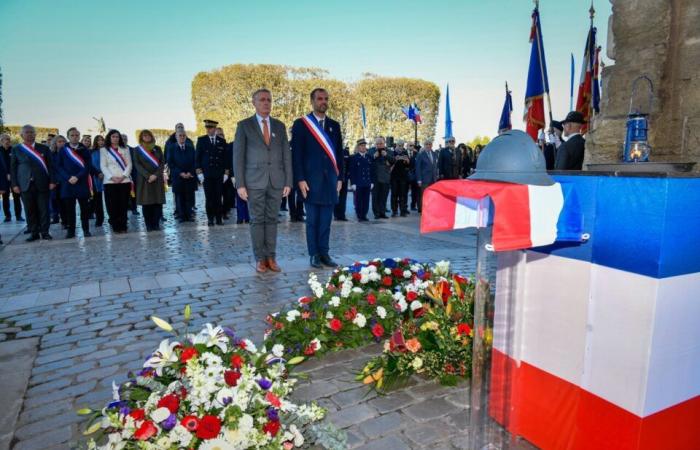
{"points": [[181, 435], [372, 269], [381, 312], [364, 278], [329, 315], [278, 350], [341, 278], [407, 274], [387, 271], [334, 301], [375, 276], [415, 304], [398, 296], [402, 305], [360, 320], [292, 315]]}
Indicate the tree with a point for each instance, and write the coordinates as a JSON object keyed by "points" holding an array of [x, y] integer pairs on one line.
{"points": [[479, 140], [2, 122]]}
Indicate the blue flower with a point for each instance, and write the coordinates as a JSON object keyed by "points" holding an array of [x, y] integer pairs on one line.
{"points": [[390, 263], [228, 332], [264, 384], [272, 414], [169, 423]]}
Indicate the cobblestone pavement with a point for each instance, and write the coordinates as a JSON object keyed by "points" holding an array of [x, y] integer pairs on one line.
{"points": [[88, 302]]}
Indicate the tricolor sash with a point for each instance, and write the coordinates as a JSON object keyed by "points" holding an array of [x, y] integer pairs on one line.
{"points": [[322, 138], [149, 156], [74, 156], [37, 156], [117, 157]]}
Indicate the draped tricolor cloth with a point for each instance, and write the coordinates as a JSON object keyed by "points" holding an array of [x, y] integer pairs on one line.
{"points": [[523, 216]]}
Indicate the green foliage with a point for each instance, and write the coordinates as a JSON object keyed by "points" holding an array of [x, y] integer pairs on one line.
{"points": [[479, 140], [225, 95], [161, 135], [41, 132]]}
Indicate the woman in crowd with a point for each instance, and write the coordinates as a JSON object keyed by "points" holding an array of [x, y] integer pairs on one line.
{"points": [[116, 165], [73, 170], [150, 185], [183, 176], [97, 206]]}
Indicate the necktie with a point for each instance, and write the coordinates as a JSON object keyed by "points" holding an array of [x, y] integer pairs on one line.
{"points": [[182, 147], [266, 132], [213, 140], [321, 123]]}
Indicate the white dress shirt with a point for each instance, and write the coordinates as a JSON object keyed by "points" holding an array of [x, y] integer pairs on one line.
{"points": [[260, 124]]}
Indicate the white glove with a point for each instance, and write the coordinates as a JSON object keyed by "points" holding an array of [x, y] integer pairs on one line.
{"points": [[200, 177], [225, 178]]}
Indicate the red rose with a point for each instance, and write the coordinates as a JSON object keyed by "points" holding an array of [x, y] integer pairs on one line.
{"points": [[137, 414], [356, 276], [272, 427], [397, 272], [183, 393], [378, 330], [190, 422], [209, 427], [310, 349], [278, 325], [464, 329], [426, 276], [146, 431], [410, 296], [335, 325], [171, 402], [231, 377], [371, 298], [187, 354], [386, 281], [236, 361]]}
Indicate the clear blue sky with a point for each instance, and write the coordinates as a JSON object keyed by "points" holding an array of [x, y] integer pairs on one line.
{"points": [[133, 61]]}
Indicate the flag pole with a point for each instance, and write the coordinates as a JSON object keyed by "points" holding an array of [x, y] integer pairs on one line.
{"points": [[539, 52], [594, 55], [571, 85]]}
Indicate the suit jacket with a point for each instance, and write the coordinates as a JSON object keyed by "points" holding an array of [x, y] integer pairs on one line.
{"points": [[426, 168], [149, 193], [449, 164], [313, 165], [66, 168], [181, 161], [4, 171], [256, 164], [211, 158], [24, 168], [570, 154], [361, 170]]}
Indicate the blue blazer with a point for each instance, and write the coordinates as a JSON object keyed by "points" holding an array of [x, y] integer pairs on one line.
{"points": [[361, 170], [313, 165], [66, 168], [97, 184], [182, 161]]}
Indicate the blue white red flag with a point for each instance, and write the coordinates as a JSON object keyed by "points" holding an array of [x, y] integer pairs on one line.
{"points": [[537, 81], [505, 124], [588, 100], [412, 113]]}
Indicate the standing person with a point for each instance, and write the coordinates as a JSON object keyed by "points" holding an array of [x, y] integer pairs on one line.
{"points": [[339, 211], [449, 161], [228, 191], [413, 187], [4, 180], [399, 182], [263, 166], [150, 190], [6, 150], [56, 208], [426, 170], [116, 165], [74, 170], [570, 153], [381, 178], [317, 146], [552, 143], [31, 175], [171, 143], [132, 197], [296, 205], [181, 161], [210, 155], [97, 181], [466, 167], [360, 169]]}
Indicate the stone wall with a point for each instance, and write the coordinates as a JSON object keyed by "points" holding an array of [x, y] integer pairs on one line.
{"points": [[660, 39]]}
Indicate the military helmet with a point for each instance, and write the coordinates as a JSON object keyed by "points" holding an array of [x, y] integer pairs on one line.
{"points": [[512, 157]]}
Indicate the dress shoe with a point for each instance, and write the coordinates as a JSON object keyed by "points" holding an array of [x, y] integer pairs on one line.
{"points": [[328, 262], [219, 221], [33, 237], [363, 219], [26, 232], [210, 223], [404, 214], [394, 214], [261, 266], [272, 265], [8, 219], [70, 235], [341, 219], [226, 217], [239, 221], [316, 262], [20, 219], [98, 224], [87, 234], [46, 237]]}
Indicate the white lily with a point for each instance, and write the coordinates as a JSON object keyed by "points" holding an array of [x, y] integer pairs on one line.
{"points": [[163, 357], [212, 337]]}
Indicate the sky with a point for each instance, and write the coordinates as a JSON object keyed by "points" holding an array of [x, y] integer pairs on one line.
{"points": [[133, 61]]}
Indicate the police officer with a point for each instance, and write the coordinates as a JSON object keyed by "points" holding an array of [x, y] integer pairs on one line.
{"points": [[211, 162], [361, 179]]}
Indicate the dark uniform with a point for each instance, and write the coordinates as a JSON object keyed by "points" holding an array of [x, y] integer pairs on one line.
{"points": [[361, 177], [399, 182], [212, 161], [339, 211]]}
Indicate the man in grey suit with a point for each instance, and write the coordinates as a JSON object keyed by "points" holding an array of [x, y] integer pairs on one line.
{"points": [[426, 169], [263, 168]]}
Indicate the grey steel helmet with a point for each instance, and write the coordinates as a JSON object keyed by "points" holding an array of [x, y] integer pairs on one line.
{"points": [[512, 157]]}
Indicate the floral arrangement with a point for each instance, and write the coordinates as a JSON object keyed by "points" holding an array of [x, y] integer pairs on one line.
{"points": [[210, 390]]}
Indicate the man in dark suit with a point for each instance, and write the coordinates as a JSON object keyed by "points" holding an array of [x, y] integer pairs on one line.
{"points": [[31, 176], [570, 153], [6, 150], [426, 170], [552, 143], [449, 161], [262, 163], [211, 161], [360, 169], [317, 152], [339, 211], [229, 192]]}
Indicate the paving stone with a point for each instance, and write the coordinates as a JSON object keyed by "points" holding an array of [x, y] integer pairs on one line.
{"points": [[392, 442], [391, 401], [143, 283], [384, 425], [352, 415], [430, 409], [353, 396]]}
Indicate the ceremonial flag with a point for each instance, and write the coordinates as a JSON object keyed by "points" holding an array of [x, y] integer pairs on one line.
{"points": [[571, 85], [505, 123], [537, 81], [523, 216], [363, 114], [448, 115], [412, 113], [588, 100]]}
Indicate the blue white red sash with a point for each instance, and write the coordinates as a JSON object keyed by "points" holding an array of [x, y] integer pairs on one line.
{"points": [[150, 157], [37, 156], [322, 138], [76, 158], [117, 157]]}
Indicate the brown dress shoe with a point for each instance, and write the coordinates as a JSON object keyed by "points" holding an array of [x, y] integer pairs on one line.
{"points": [[261, 267], [272, 265]]}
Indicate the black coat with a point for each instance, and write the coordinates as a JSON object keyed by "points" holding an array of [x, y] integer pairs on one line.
{"points": [[212, 159], [182, 161], [450, 164], [570, 154], [24, 168]]}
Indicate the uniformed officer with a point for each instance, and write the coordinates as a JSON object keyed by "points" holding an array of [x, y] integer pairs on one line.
{"points": [[361, 179], [211, 162]]}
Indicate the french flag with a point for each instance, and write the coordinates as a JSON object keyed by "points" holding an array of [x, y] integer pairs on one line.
{"points": [[523, 216]]}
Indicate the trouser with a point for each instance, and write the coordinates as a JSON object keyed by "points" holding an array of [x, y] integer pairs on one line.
{"points": [[318, 228], [132, 200], [6, 204], [296, 204], [399, 194], [379, 197], [69, 206], [264, 205], [151, 216], [415, 194], [117, 200], [36, 205], [422, 189], [241, 209], [98, 208], [362, 201], [339, 210], [184, 201], [56, 207], [213, 191], [283, 205], [176, 213], [229, 196]]}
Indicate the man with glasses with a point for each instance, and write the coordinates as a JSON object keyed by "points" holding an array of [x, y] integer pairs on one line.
{"points": [[449, 161]]}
